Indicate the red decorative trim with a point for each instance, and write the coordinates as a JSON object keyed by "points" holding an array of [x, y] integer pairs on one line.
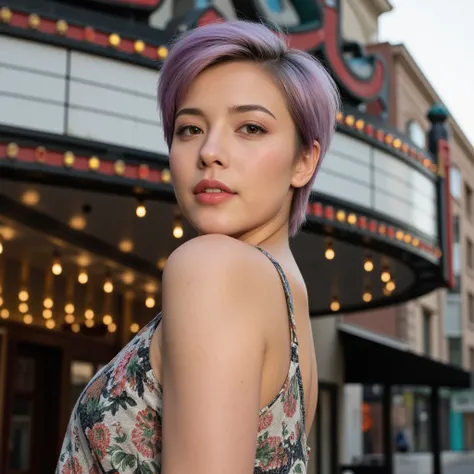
{"points": [[84, 164], [83, 34], [374, 226], [444, 169], [390, 140], [361, 88]]}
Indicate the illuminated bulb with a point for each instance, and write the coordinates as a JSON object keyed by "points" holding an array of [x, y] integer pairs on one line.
{"points": [[1, 300], [23, 307], [75, 328], [57, 268], [27, 319], [48, 303], [178, 231], [385, 276], [329, 253], [368, 265], [390, 286], [50, 323], [367, 296], [89, 314], [69, 318], [1, 247], [335, 306], [4, 313], [8, 233], [89, 323], [47, 313], [126, 245], [23, 295], [128, 278], [161, 263], [69, 308], [112, 327], [77, 222], [134, 327], [30, 197], [82, 278], [150, 302], [83, 260], [151, 287], [141, 210], [107, 319], [108, 286]]}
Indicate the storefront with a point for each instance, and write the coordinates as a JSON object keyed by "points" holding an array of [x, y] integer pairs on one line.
{"points": [[88, 216]]}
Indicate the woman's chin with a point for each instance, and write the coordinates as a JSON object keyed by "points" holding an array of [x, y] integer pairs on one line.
{"points": [[217, 228]]}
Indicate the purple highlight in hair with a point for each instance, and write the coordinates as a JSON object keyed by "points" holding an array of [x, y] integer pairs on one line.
{"points": [[312, 96]]}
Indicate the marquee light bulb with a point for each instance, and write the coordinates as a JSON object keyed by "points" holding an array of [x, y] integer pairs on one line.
{"points": [[82, 278], [141, 210]]}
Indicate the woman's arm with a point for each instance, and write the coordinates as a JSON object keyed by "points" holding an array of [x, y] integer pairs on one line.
{"points": [[214, 293]]}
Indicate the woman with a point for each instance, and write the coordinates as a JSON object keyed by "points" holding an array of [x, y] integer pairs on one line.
{"points": [[226, 380]]}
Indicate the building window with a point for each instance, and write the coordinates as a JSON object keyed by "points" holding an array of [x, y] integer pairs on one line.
{"points": [[454, 348], [456, 255], [275, 5], [416, 133], [426, 314], [470, 307], [468, 200], [469, 253], [455, 182]]}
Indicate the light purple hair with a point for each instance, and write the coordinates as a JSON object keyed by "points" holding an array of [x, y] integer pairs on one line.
{"points": [[311, 94]]}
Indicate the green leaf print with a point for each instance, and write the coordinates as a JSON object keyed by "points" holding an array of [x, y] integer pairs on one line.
{"points": [[264, 453], [298, 469], [120, 459], [295, 387], [121, 401], [144, 468], [121, 439]]}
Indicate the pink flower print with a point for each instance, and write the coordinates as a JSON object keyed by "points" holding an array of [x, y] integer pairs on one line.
{"points": [[265, 420], [146, 436], [290, 398], [99, 439], [277, 455], [120, 373], [72, 466]]}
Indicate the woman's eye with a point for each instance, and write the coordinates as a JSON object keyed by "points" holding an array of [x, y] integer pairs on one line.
{"points": [[188, 130], [253, 129]]}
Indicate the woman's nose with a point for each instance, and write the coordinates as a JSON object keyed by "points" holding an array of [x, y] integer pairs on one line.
{"points": [[213, 154]]}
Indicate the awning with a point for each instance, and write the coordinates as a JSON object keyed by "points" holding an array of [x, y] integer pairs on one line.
{"points": [[370, 359]]}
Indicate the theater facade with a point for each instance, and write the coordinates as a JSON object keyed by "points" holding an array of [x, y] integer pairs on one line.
{"points": [[88, 214]]}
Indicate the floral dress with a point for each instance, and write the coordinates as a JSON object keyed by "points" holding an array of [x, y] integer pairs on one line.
{"points": [[115, 427]]}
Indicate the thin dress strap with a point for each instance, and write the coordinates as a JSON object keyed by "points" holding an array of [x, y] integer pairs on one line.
{"points": [[289, 298]]}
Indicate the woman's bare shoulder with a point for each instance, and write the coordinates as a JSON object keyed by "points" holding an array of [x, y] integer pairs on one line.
{"points": [[215, 277], [215, 259]]}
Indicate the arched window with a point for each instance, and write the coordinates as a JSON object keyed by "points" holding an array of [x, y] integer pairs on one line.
{"points": [[455, 181], [416, 133]]}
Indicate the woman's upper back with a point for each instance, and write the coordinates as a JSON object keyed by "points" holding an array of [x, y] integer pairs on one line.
{"points": [[117, 425]]}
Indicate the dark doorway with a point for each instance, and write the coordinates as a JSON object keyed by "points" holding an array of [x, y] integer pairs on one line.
{"points": [[325, 449], [34, 415]]}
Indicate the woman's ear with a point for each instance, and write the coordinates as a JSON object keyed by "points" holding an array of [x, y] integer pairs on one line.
{"points": [[306, 165]]}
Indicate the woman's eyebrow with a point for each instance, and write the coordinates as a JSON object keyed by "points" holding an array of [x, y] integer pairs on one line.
{"points": [[235, 109]]}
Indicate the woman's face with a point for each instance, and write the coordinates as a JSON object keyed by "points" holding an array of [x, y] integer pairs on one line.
{"points": [[232, 157]]}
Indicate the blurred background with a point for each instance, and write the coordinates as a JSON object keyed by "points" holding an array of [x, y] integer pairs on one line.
{"points": [[88, 218]]}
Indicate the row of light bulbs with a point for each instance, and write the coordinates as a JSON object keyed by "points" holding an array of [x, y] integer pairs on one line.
{"points": [[78, 222], [178, 230], [389, 287]]}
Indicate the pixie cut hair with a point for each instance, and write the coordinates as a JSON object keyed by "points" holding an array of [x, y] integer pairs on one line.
{"points": [[311, 94]]}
